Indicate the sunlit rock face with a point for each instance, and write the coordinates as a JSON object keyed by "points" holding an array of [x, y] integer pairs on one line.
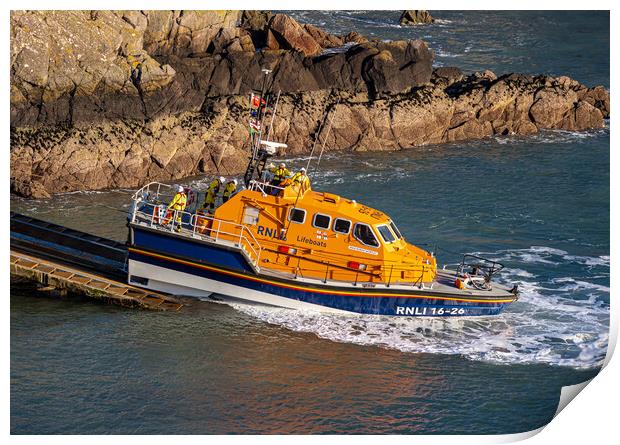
{"points": [[104, 99]]}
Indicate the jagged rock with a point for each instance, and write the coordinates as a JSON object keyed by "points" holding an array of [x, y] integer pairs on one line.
{"points": [[196, 29], [486, 74], [290, 35], [271, 42], [354, 37], [33, 189], [398, 66], [184, 33], [255, 20], [109, 72], [231, 40], [597, 96], [258, 24], [447, 75], [415, 17], [92, 108], [323, 38], [127, 154]]}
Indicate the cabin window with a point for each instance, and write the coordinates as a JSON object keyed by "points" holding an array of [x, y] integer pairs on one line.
{"points": [[395, 230], [297, 215], [342, 226], [364, 234], [385, 233], [250, 215], [321, 221]]}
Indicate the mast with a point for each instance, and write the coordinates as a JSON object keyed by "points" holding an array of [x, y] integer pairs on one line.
{"points": [[258, 110]]}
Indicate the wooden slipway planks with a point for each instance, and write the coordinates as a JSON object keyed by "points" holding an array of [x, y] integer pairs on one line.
{"points": [[64, 279]]}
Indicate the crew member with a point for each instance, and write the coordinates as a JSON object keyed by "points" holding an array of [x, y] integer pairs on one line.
{"points": [[267, 175], [178, 204], [280, 174], [301, 179], [212, 192], [229, 190]]}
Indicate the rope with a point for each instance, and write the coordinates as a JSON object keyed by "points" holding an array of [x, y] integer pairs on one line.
{"points": [[318, 133], [331, 121], [273, 116]]}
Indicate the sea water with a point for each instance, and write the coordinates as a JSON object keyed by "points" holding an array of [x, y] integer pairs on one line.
{"points": [[538, 204]]}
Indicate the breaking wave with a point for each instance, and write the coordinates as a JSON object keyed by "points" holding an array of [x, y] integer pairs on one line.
{"points": [[553, 136]]}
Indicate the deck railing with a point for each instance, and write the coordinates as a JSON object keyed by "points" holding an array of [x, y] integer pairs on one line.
{"points": [[150, 209], [264, 187]]}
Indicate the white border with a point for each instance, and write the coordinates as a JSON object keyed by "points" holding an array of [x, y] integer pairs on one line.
{"points": [[590, 419]]}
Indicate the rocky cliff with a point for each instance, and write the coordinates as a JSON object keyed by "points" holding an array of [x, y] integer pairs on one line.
{"points": [[117, 98]]}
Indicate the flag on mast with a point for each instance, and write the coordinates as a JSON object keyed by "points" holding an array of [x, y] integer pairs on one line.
{"points": [[254, 125], [257, 101]]}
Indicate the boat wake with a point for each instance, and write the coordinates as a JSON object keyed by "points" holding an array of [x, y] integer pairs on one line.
{"points": [[561, 321]]}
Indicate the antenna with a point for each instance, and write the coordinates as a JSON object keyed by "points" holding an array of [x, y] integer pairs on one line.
{"points": [[273, 115], [316, 138], [331, 121], [260, 113]]}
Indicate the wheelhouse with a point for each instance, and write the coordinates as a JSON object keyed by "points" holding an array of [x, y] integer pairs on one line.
{"points": [[327, 232]]}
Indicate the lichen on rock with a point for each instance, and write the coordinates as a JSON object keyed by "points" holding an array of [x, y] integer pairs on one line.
{"points": [[103, 99]]}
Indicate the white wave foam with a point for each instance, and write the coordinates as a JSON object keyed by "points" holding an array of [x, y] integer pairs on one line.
{"points": [[547, 255], [551, 136], [602, 260], [576, 285], [441, 53], [548, 250], [520, 273], [83, 192], [560, 321], [505, 339], [533, 258]]}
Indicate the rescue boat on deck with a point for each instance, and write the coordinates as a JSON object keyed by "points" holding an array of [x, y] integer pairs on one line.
{"points": [[291, 246]]}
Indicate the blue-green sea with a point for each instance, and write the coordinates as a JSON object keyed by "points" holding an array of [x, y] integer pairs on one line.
{"points": [[539, 204]]}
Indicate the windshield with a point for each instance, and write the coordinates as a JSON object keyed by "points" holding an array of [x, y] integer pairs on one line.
{"points": [[395, 230], [365, 235], [385, 233]]}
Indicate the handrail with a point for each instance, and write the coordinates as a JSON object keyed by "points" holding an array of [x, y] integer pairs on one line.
{"points": [[382, 271], [139, 195], [258, 186], [241, 234]]}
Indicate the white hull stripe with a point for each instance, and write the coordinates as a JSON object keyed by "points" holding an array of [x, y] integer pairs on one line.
{"points": [[181, 283]]}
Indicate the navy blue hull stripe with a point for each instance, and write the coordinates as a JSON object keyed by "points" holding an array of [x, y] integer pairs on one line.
{"points": [[388, 305]]}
